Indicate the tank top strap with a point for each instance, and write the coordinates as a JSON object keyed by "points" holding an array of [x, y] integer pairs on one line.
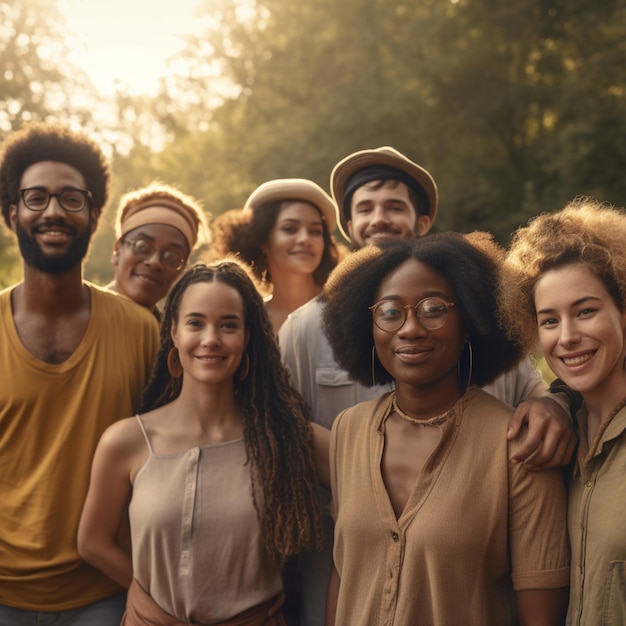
{"points": [[145, 434]]}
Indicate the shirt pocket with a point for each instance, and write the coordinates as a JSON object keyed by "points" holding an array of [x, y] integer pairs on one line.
{"points": [[614, 606], [335, 392]]}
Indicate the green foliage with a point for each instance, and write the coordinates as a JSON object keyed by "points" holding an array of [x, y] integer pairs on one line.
{"points": [[37, 81], [10, 264], [514, 107]]}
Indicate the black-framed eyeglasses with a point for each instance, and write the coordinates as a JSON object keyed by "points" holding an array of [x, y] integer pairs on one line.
{"points": [[143, 249], [70, 199], [390, 315]]}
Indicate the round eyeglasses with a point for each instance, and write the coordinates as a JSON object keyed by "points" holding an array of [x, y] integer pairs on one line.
{"points": [[70, 199], [390, 315], [143, 249]]}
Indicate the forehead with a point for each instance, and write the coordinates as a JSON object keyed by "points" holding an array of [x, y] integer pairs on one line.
{"points": [[414, 280], [162, 235], [214, 299], [565, 285], [300, 211], [390, 190], [52, 175]]}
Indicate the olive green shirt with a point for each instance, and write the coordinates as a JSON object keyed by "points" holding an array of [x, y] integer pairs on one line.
{"points": [[597, 527]]}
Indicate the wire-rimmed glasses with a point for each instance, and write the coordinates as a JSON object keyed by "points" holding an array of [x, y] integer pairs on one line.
{"points": [[144, 249], [390, 315]]}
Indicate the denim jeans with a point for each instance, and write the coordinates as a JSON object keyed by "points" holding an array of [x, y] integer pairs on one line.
{"points": [[107, 612]]}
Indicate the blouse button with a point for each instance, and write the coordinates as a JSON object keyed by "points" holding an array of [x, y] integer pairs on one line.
{"points": [[394, 535]]}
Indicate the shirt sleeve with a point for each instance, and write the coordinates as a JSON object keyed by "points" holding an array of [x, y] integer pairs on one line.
{"points": [[538, 529]]}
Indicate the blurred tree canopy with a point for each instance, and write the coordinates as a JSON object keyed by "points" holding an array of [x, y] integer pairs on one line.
{"points": [[514, 107], [36, 83]]}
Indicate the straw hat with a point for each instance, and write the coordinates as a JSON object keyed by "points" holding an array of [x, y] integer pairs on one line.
{"points": [[294, 189], [410, 173]]}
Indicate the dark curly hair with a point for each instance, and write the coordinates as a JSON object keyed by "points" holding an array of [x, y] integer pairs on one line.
{"points": [[467, 262], [244, 232], [277, 432], [41, 141]]}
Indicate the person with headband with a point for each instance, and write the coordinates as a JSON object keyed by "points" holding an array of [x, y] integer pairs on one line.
{"points": [[157, 229], [284, 233]]}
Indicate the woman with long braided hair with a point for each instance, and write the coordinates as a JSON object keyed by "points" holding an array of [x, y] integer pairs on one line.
{"points": [[219, 468]]}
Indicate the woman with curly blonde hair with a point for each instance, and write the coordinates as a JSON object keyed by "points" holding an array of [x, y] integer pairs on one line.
{"points": [[564, 284]]}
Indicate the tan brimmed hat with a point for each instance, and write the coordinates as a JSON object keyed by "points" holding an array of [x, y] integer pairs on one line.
{"points": [[294, 189], [386, 157]]}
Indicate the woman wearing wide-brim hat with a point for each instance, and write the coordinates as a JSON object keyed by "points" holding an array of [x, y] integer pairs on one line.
{"points": [[284, 232]]}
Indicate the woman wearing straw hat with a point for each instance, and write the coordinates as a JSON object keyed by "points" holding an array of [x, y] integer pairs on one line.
{"points": [[284, 233]]}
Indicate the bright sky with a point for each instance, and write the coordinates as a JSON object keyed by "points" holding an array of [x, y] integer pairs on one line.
{"points": [[128, 41]]}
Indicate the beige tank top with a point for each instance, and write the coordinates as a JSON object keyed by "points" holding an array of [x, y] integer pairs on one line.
{"points": [[196, 541]]}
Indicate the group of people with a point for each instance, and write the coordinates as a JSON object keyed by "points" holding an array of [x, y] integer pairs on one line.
{"points": [[279, 436]]}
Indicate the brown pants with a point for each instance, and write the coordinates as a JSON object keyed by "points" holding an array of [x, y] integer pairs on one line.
{"points": [[142, 610]]}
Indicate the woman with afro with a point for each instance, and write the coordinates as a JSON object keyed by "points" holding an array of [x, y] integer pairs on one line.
{"points": [[434, 524]]}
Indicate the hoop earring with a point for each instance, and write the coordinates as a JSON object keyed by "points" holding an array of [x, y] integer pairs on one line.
{"points": [[373, 372], [173, 363], [470, 364], [244, 368]]}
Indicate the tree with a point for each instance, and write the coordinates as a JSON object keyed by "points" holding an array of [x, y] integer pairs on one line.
{"points": [[37, 82], [514, 107]]}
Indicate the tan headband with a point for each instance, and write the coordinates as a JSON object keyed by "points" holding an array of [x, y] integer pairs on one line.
{"points": [[161, 211]]}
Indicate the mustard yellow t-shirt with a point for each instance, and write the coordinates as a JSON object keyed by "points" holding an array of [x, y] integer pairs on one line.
{"points": [[51, 418]]}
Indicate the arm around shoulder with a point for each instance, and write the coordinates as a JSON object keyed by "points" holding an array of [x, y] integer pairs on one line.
{"points": [[544, 432]]}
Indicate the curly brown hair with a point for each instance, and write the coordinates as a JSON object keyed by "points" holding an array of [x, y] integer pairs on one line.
{"points": [[585, 231], [41, 141], [244, 233], [468, 262], [277, 432]]}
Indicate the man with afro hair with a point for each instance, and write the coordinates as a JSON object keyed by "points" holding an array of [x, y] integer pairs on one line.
{"points": [[74, 358]]}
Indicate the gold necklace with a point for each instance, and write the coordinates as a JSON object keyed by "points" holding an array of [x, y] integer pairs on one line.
{"points": [[432, 421]]}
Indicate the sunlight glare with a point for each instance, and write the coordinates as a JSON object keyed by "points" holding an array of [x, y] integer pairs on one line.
{"points": [[127, 43]]}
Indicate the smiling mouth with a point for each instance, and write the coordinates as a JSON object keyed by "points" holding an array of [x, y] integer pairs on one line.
{"points": [[413, 355], [210, 358], [52, 235], [383, 234], [149, 279], [572, 361]]}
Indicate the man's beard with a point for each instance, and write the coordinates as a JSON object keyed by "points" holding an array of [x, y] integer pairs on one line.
{"points": [[34, 256]]}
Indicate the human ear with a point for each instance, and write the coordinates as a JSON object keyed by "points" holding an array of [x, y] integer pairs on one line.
{"points": [[13, 215], [115, 259], [173, 334], [424, 224]]}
